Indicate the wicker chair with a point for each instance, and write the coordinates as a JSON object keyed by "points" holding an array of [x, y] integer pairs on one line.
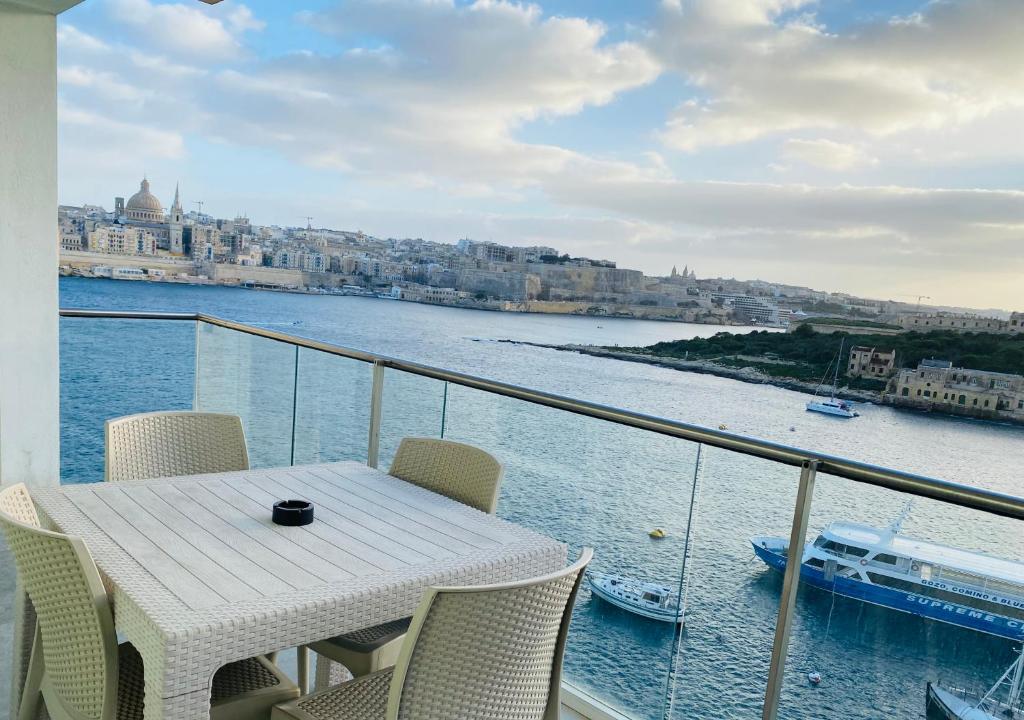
{"points": [[461, 472], [77, 667], [492, 652], [163, 444]]}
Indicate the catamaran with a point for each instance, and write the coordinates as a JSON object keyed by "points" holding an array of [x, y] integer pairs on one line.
{"points": [[839, 408], [647, 599], [952, 703], [973, 590]]}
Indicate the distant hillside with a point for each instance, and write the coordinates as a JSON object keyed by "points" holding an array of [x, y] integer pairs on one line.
{"points": [[806, 354]]}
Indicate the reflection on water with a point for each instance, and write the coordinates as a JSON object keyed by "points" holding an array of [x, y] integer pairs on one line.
{"points": [[582, 481]]}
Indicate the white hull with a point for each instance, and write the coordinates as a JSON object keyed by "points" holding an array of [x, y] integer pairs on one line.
{"points": [[671, 614], [831, 408]]}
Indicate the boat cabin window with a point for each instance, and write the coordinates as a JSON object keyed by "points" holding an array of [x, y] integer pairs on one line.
{"points": [[651, 597], [886, 558], [815, 562], [840, 548]]}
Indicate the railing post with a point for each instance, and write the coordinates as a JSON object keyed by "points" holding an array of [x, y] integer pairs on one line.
{"points": [[295, 403], [790, 584], [376, 405], [195, 384]]}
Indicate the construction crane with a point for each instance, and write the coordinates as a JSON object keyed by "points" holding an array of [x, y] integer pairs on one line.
{"points": [[919, 298], [200, 204], [309, 222]]}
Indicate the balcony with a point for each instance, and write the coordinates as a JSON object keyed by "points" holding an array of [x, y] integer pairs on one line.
{"points": [[588, 475]]}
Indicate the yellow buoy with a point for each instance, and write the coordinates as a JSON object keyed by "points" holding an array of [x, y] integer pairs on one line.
{"points": [[657, 533]]}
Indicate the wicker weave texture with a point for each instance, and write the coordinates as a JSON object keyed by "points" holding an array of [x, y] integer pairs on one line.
{"points": [[364, 698], [473, 653], [486, 655], [165, 444], [238, 678], [16, 503], [461, 472], [76, 640]]}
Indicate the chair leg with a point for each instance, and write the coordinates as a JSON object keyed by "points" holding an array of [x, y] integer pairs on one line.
{"points": [[30, 695], [302, 661]]}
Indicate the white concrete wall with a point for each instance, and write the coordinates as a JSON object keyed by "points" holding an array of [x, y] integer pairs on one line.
{"points": [[29, 368]]}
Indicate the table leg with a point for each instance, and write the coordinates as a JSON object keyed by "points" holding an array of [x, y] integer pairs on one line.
{"points": [[159, 677]]}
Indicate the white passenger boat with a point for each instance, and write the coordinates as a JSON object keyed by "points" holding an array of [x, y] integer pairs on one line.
{"points": [[649, 600], [839, 408], [879, 566], [1003, 700]]}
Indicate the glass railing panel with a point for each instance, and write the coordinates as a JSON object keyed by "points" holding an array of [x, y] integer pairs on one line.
{"points": [[899, 593], [411, 406], [332, 408], [254, 378], [111, 368], [592, 483], [721, 665]]}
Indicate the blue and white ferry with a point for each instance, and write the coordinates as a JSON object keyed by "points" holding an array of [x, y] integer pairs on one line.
{"points": [[970, 589]]}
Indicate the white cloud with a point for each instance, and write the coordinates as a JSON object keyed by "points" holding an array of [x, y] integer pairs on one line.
{"points": [[191, 30], [762, 71], [826, 154], [105, 134]]}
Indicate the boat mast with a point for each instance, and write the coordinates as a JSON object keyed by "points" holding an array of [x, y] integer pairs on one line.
{"points": [[1018, 679], [835, 379], [1015, 684]]}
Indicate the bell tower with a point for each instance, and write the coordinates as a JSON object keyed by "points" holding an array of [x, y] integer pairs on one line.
{"points": [[176, 225]]}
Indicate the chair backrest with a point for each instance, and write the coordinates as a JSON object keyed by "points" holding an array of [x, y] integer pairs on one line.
{"points": [[76, 627], [490, 652], [16, 503], [164, 444], [461, 472]]}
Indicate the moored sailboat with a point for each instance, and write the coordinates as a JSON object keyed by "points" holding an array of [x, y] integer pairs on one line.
{"points": [[832, 406], [952, 703]]}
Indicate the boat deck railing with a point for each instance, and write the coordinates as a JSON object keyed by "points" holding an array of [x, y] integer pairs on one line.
{"points": [[810, 462]]}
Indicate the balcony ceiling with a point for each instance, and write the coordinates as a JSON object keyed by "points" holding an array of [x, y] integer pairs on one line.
{"points": [[55, 7]]}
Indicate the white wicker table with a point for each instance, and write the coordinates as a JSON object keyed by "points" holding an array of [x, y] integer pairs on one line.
{"points": [[200, 577]]}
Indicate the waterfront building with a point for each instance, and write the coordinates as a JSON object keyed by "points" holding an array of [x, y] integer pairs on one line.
{"points": [[961, 322], [936, 384], [122, 240], [747, 308], [871, 362], [428, 294]]}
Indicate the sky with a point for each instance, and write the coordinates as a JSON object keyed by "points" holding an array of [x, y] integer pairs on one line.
{"points": [[868, 146]]}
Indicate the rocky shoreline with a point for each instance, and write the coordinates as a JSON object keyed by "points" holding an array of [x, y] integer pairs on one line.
{"points": [[707, 367]]}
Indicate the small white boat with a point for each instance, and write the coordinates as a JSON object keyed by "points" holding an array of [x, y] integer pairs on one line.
{"points": [[646, 599], [839, 408]]}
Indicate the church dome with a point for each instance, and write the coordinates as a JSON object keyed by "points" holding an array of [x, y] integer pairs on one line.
{"points": [[144, 206]]}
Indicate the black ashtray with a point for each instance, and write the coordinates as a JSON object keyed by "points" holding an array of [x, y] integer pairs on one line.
{"points": [[293, 512]]}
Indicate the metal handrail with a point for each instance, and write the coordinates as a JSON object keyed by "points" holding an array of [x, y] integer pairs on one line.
{"points": [[897, 480]]}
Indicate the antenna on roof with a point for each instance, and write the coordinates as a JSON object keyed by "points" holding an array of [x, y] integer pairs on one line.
{"points": [[897, 524]]}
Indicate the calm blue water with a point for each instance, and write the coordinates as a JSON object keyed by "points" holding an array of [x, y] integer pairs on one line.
{"points": [[580, 480]]}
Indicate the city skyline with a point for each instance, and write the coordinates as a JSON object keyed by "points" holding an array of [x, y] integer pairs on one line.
{"points": [[868, 150]]}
